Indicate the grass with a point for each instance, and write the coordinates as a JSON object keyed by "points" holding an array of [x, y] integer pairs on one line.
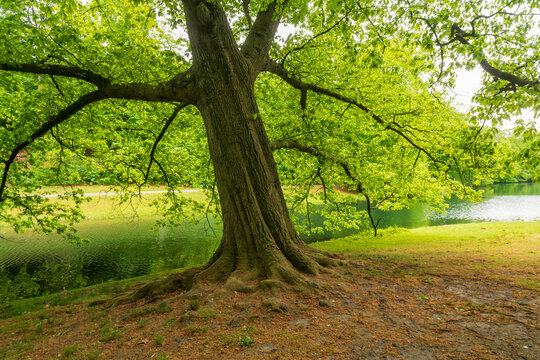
{"points": [[42, 304], [510, 247], [110, 207]]}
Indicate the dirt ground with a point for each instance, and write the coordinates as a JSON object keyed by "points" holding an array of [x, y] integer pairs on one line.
{"points": [[374, 310]]}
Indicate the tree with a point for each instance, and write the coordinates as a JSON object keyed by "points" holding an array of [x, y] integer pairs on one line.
{"points": [[356, 65]]}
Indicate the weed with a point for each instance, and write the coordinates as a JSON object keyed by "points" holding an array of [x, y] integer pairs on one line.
{"points": [[196, 329], [98, 315], [69, 351], [158, 340], [140, 312], [427, 280], [39, 328], [207, 313], [227, 339], [423, 297], [194, 304], [92, 356], [142, 323], [245, 341], [163, 308], [474, 306], [163, 356], [108, 334]]}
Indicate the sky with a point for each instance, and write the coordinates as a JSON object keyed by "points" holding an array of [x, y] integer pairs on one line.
{"points": [[468, 83]]}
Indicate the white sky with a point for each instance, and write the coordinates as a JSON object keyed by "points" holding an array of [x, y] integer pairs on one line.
{"points": [[468, 83]]}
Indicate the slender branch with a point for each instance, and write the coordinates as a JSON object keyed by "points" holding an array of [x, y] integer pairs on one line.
{"points": [[374, 224], [62, 115], [275, 68], [298, 48], [292, 144], [461, 36], [159, 137]]}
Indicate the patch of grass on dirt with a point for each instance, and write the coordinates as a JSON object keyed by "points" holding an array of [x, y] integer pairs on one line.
{"points": [[505, 250]]}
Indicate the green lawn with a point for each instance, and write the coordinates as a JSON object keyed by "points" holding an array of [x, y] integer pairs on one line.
{"points": [[508, 250]]}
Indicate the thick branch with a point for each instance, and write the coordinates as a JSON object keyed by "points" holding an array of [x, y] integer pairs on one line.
{"points": [[58, 70], [461, 36], [277, 69], [179, 88], [262, 33], [45, 128], [293, 144]]}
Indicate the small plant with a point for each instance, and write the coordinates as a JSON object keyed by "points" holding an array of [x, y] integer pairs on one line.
{"points": [[108, 334], [423, 297], [163, 308], [427, 280], [163, 357], [196, 329], [69, 351], [158, 340], [169, 322], [92, 356], [245, 341], [194, 304]]}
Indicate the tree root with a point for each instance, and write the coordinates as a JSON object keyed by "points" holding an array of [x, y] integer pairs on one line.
{"points": [[280, 275]]}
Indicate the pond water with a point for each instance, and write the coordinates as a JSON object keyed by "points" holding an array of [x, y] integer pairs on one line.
{"points": [[121, 249]]}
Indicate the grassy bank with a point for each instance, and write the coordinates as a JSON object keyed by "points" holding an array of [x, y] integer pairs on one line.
{"points": [[508, 250]]}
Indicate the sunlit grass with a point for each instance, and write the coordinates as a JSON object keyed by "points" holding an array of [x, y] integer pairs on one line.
{"points": [[116, 206], [507, 249]]}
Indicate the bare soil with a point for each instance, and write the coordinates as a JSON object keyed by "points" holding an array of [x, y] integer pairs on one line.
{"points": [[374, 310]]}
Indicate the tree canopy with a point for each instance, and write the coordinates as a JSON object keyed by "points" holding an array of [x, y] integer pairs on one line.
{"points": [[352, 94]]}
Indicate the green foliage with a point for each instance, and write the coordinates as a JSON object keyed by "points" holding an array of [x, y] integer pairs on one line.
{"points": [[108, 334], [245, 341], [47, 279], [395, 58]]}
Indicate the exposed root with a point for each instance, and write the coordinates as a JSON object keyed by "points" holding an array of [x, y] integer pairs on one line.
{"points": [[276, 272]]}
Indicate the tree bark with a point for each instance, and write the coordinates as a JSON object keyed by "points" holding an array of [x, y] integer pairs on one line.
{"points": [[259, 238]]}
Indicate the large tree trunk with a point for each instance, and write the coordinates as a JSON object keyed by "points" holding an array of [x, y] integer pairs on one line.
{"points": [[259, 238]]}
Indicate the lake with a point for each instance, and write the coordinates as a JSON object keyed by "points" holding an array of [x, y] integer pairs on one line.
{"points": [[121, 249]]}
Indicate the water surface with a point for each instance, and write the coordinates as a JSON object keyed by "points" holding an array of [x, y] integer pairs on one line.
{"points": [[121, 248]]}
